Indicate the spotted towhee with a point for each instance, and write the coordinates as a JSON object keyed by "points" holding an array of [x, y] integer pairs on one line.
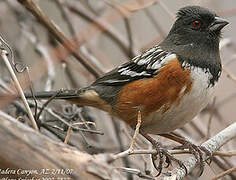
{"points": [[169, 83]]}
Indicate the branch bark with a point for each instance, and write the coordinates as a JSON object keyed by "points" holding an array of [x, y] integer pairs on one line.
{"points": [[26, 153], [212, 145]]}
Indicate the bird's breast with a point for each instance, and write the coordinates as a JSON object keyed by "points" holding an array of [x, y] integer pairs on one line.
{"points": [[187, 108]]}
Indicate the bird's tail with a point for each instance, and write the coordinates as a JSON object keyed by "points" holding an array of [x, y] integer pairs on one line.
{"points": [[60, 94], [75, 95], [83, 97]]}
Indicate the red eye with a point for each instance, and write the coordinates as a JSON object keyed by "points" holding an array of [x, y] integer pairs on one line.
{"points": [[196, 24]]}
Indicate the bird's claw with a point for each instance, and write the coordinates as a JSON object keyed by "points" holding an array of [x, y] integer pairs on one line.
{"points": [[161, 152], [197, 151]]}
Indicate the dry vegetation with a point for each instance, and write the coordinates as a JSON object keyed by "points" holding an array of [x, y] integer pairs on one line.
{"points": [[68, 44]]}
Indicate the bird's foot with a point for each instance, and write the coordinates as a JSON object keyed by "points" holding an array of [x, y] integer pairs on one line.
{"points": [[163, 155], [162, 152], [197, 151]]}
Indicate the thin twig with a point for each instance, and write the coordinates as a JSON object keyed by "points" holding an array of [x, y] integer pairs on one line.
{"points": [[68, 135], [224, 173], [55, 31], [136, 172], [225, 154], [84, 123], [70, 130], [69, 125], [101, 24], [18, 87], [132, 152], [47, 102], [67, 18], [131, 148], [153, 151]]}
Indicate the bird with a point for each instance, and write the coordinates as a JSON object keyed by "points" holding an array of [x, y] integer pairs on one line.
{"points": [[169, 83]]}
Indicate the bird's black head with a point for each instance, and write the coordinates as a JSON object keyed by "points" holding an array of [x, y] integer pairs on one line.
{"points": [[196, 25], [198, 21], [195, 37]]}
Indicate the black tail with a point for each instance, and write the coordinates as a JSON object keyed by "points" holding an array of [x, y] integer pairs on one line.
{"points": [[82, 97], [60, 94]]}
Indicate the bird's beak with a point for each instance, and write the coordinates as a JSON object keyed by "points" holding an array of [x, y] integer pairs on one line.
{"points": [[218, 24]]}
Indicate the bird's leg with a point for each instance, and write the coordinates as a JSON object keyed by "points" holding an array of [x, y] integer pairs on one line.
{"points": [[161, 152], [197, 151]]}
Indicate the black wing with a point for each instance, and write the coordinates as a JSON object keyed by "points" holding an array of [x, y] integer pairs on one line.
{"points": [[142, 66]]}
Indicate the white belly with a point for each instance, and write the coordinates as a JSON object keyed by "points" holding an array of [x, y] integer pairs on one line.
{"points": [[190, 105]]}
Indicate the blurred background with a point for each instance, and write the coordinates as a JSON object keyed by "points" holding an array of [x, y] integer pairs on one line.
{"points": [[105, 34]]}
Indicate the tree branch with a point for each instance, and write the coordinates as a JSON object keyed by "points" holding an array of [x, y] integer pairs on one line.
{"points": [[212, 145], [46, 158], [3, 54], [54, 30]]}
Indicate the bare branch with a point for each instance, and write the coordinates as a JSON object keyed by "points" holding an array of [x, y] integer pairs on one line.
{"points": [[101, 24], [212, 145], [224, 173], [55, 31], [3, 54]]}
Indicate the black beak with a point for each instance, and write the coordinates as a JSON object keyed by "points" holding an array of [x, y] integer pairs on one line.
{"points": [[218, 24]]}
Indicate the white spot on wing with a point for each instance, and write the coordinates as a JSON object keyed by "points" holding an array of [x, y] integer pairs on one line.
{"points": [[169, 57], [163, 60], [182, 90], [156, 65], [135, 59], [133, 73], [151, 59], [144, 61], [123, 69]]}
